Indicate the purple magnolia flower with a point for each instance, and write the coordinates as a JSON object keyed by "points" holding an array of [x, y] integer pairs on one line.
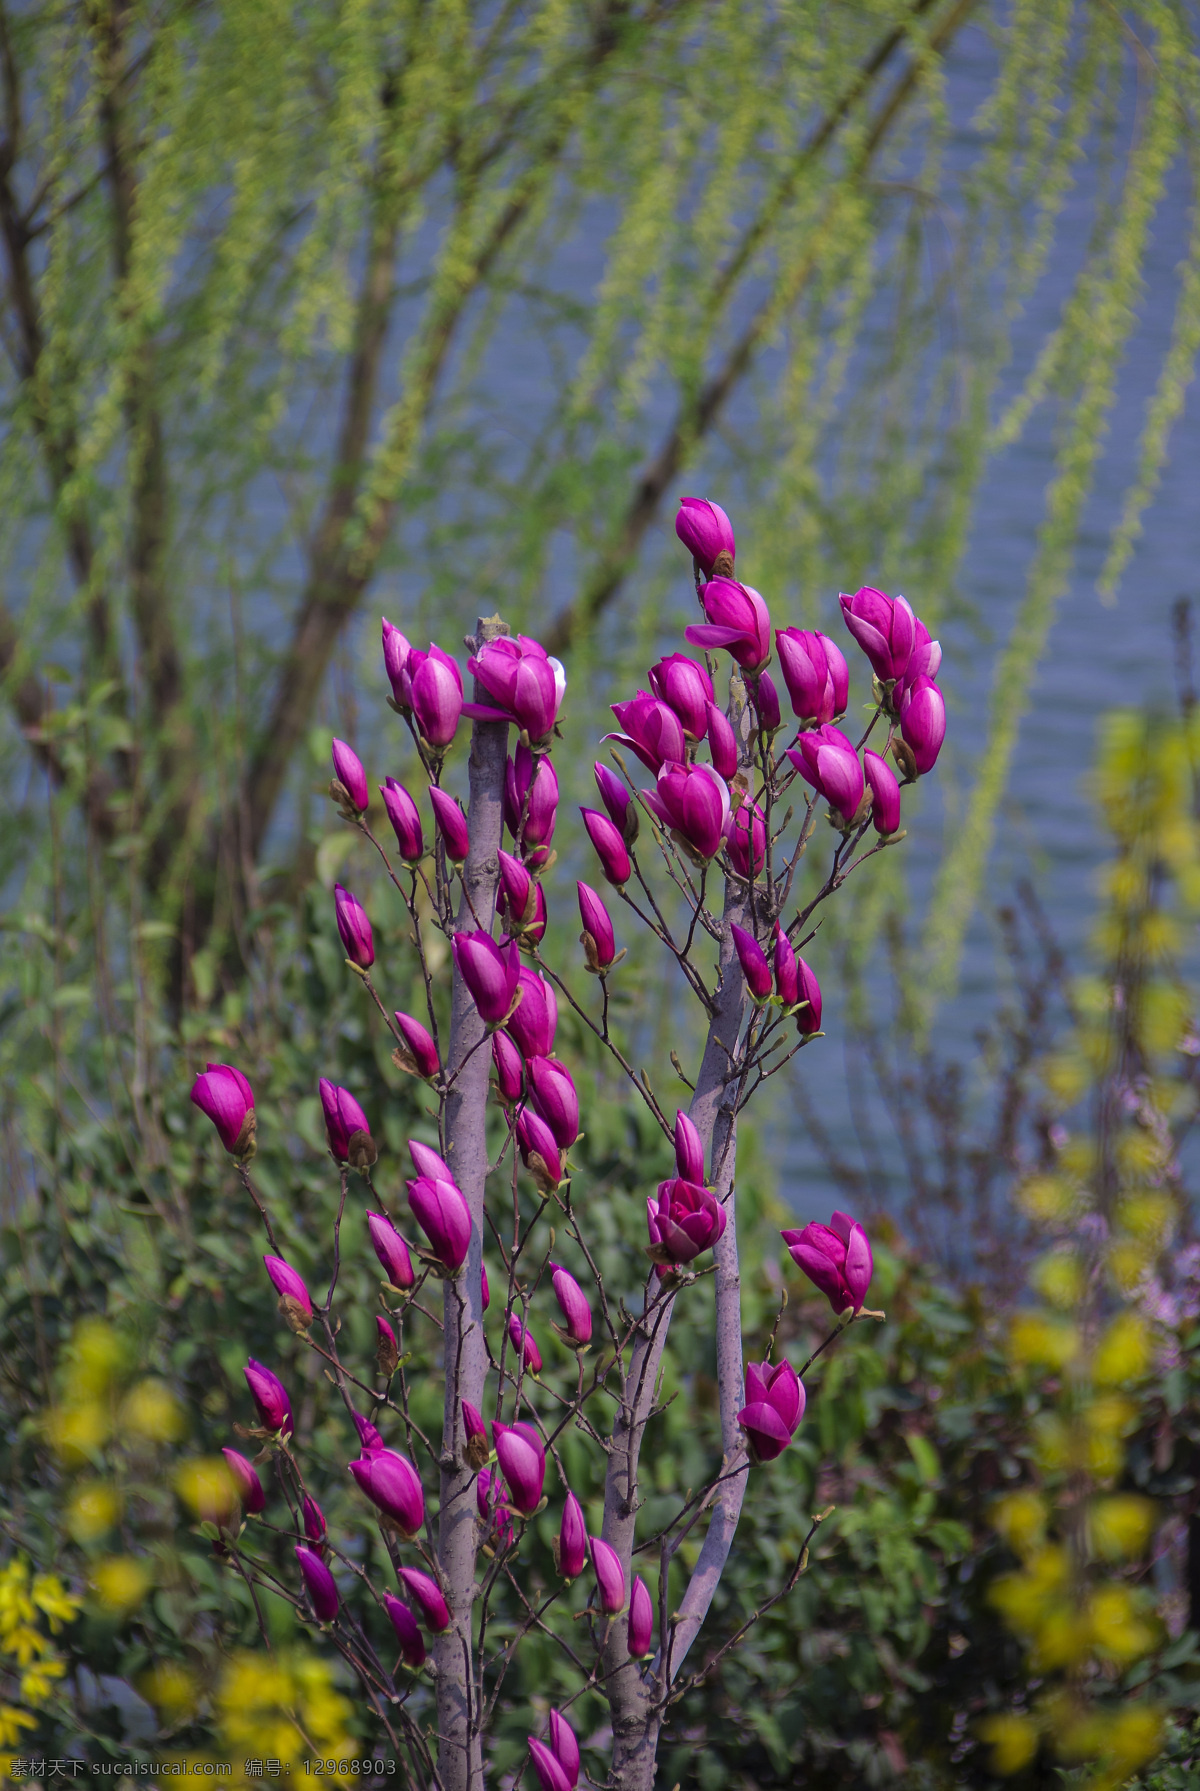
{"points": [[706, 532], [347, 768], [525, 1344], [722, 743], [685, 686], [924, 661], [391, 1250], [618, 802], [427, 1162], [522, 1461], [564, 1746], [572, 1540], [827, 760], [737, 619], [492, 1503], [753, 960], [387, 1350], [369, 1438], [269, 1396], [490, 972], [694, 802], [395, 663], [436, 698], [773, 1409], [885, 793], [597, 939], [444, 1217], [577, 1314], [416, 1052], [534, 1020], [923, 721], [539, 1149], [426, 1594], [652, 730], [289, 1286], [610, 847], [224, 1096], [393, 1485], [685, 1221], [313, 1519], [484, 1291], [787, 969], [551, 1776], [246, 1480], [451, 824], [766, 703], [836, 1258], [689, 1151], [884, 628], [516, 890], [412, 1647], [474, 1425], [808, 1020], [610, 1576], [345, 1122], [319, 1584], [815, 672], [510, 1067], [526, 685], [354, 927], [641, 1620], [554, 1096], [531, 803], [742, 833], [405, 818]]}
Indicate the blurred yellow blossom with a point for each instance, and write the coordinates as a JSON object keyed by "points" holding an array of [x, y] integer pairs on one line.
{"points": [[285, 1706], [1021, 1519], [92, 1510], [79, 1431], [207, 1488], [121, 1582], [171, 1688], [151, 1410], [96, 1355], [1036, 1339], [1012, 1739], [1124, 1352], [1120, 1525]]}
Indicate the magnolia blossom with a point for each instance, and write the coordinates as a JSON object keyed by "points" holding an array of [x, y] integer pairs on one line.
{"points": [[885, 793], [694, 802], [884, 627], [774, 1407], [652, 730], [534, 1020], [738, 619], [270, 1397], [685, 686], [522, 1460], [347, 768], [706, 532], [525, 684], [224, 1096], [827, 760], [354, 927], [490, 972], [836, 1258], [531, 804], [684, 1221], [815, 672]]}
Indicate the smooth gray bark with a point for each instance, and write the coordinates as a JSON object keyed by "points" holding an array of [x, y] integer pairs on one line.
{"points": [[460, 1766]]}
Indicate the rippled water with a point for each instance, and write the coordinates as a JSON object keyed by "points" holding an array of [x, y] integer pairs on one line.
{"points": [[1098, 657]]}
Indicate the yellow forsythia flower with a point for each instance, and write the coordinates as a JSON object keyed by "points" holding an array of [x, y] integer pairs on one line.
{"points": [[121, 1583], [1013, 1741], [151, 1410], [92, 1510], [1021, 1519], [1035, 1339], [1124, 1352], [1120, 1526], [207, 1488]]}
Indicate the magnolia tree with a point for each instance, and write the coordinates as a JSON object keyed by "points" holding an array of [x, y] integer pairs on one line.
{"points": [[716, 822]]}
